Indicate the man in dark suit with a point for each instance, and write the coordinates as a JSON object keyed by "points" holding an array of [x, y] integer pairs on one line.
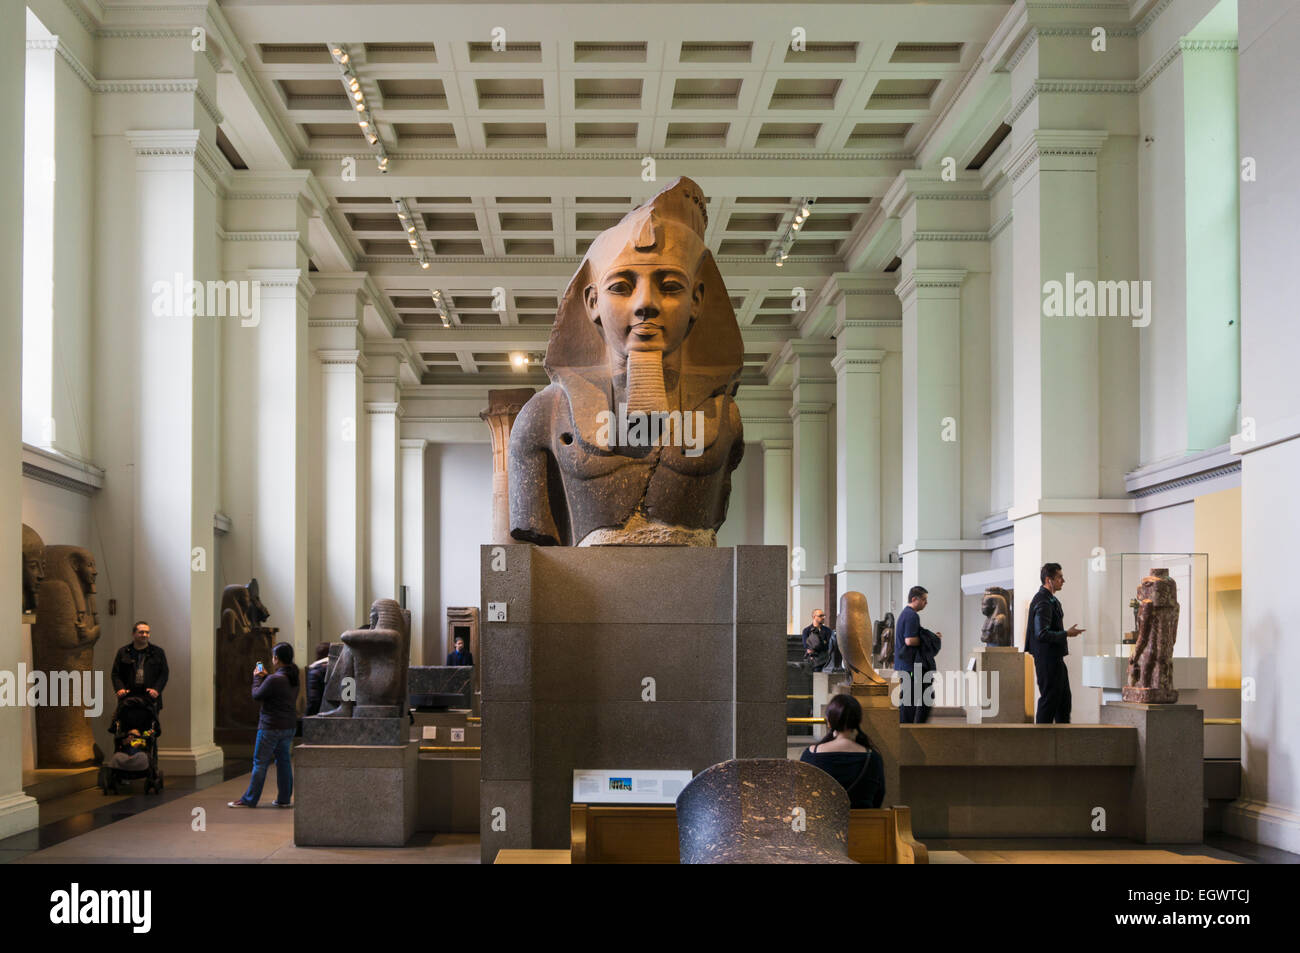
{"points": [[915, 649], [1046, 640]]}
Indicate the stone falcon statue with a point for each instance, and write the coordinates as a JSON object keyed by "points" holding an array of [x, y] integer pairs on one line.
{"points": [[635, 438]]}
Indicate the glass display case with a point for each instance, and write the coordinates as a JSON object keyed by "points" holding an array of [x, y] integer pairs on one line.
{"points": [[1110, 583]]}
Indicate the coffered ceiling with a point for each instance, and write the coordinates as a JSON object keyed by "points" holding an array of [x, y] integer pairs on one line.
{"points": [[517, 132]]}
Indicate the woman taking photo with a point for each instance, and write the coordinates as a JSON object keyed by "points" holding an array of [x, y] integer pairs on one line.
{"points": [[847, 756], [278, 693]]}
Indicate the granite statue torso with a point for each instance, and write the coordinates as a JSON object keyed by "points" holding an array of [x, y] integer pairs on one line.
{"points": [[590, 488]]}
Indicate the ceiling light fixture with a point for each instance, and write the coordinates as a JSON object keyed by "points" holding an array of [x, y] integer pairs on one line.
{"points": [[781, 250], [352, 83], [411, 224]]}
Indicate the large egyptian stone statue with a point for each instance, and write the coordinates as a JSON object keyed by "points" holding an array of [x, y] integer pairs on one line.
{"points": [[63, 640], [242, 642], [1151, 667], [996, 606], [33, 567], [634, 440], [852, 625], [369, 680]]}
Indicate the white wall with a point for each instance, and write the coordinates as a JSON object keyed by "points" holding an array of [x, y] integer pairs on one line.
{"points": [[1269, 127], [458, 522]]}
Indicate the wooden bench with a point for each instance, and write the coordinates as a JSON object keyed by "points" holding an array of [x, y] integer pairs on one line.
{"points": [[611, 834]]}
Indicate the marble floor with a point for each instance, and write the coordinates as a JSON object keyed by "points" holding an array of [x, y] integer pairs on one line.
{"points": [[190, 823]]}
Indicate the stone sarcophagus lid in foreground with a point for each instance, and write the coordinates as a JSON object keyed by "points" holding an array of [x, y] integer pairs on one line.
{"points": [[635, 438]]}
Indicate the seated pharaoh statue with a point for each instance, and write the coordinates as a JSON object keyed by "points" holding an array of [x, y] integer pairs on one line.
{"points": [[634, 440], [369, 680]]}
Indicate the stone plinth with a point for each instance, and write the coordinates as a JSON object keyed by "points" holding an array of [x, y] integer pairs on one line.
{"points": [[317, 730], [1168, 782], [354, 795], [1002, 670], [591, 636]]}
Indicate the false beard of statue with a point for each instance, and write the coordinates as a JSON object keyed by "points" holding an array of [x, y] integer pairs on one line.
{"points": [[645, 382]]}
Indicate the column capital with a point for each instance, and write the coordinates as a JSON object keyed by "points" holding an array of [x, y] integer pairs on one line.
{"points": [[384, 407], [777, 445], [858, 360], [931, 283], [341, 359], [809, 408], [413, 444], [912, 185], [1056, 150]]}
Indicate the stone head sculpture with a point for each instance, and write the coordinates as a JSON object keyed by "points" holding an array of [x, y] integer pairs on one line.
{"points": [[257, 613], [635, 439], [33, 567], [996, 607]]}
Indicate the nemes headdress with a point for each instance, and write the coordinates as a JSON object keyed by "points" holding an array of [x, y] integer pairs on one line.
{"points": [[668, 229]]}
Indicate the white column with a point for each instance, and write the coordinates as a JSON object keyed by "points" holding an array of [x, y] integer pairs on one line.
{"points": [[413, 452], [1072, 413], [776, 500], [384, 500], [266, 410], [342, 438], [865, 326], [932, 473], [812, 394], [175, 426], [18, 812]]}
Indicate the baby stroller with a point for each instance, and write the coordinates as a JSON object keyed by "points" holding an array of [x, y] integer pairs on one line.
{"points": [[135, 732]]}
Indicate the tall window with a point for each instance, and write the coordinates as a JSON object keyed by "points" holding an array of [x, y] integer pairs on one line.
{"points": [[38, 237]]}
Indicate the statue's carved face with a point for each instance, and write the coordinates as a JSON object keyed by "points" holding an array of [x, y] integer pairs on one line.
{"points": [[33, 569], [86, 572], [644, 307], [989, 605]]}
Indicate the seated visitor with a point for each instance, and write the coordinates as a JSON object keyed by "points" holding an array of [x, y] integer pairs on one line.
{"points": [[462, 655], [847, 756]]}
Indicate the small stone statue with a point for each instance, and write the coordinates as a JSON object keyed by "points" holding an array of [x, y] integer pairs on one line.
{"points": [[996, 606], [242, 642], [33, 567], [369, 680], [63, 640], [1151, 667], [635, 439], [882, 643], [851, 627]]}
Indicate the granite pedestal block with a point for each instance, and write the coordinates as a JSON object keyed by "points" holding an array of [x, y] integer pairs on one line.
{"points": [[354, 795], [1168, 785], [318, 730], [1002, 671], [636, 657]]}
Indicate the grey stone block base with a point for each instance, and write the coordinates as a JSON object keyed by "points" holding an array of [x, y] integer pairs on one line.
{"points": [[636, 657], [1168, 786], [354, 795], [317, 730], [1006, 664]]}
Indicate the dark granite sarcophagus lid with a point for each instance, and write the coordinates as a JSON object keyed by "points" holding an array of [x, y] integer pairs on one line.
{"points": [[763, 811]]}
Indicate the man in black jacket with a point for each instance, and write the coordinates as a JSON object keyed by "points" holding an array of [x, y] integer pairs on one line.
{"points": [[140, 668], [1045, 640]]}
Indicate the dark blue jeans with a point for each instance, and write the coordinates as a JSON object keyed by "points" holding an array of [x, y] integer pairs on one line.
{"points": [[272, 745]]}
